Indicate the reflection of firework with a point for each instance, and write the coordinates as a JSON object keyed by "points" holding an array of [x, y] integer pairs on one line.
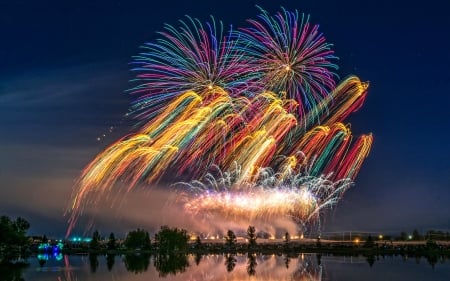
{"points": [[268, 268], [200, 107]]}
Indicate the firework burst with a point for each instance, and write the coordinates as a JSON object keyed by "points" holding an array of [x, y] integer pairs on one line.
{"points": [[202, 105], [292, 57], [193, 57], [266, 196]]}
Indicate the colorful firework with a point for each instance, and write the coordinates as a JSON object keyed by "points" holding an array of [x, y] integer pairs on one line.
{"points": [[202, 108], [265, 197], [190, 58], [292, 57]]}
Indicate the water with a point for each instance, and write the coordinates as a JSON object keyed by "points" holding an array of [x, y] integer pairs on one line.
{"points": [[311, 267]]}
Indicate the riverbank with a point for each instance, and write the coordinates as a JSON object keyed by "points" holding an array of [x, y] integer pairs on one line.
{"points": [[410, 248]]}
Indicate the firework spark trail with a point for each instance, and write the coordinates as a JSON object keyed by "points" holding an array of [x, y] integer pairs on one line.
{"points": [[265, 197], [191, 58], [292, 57], [202, 106]]}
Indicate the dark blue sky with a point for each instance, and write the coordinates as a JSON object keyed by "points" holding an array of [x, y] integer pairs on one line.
{"points": [[64, 67]]}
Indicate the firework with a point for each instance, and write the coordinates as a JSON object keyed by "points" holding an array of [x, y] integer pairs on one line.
{"points": [[192, 57], [283, 148], [265, 197], [292, 57]]}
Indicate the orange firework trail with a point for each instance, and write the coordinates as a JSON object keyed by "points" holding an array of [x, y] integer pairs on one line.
{"points": [[279, 162]]}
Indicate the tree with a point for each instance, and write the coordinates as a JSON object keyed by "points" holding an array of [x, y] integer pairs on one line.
{"points": [[95, 242], [230, 240], [13, 232], [369, 242], [13, 238], [198, 243], [138, 239], [111, 242], [287, 238], [171, 239], [251, 236]]}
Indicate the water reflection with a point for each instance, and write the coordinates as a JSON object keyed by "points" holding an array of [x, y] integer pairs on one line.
{"points": [[251, 264], [171, 264], [93, 262], [230, 262], [110, 260], [137, 263], [221, 267], [12, 272], [198, 258]]}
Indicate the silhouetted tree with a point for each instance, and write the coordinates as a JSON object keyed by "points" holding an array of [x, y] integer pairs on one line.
{"points": [[198, 243], [431, 244], [251, 236], [287, 238], [369, 242], [112, 243], [138, 239], [171, 239], [13, 238], [230, 240], [95, 242]]}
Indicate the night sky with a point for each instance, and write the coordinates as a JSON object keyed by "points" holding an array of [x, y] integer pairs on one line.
{"points": [[64, 67]]}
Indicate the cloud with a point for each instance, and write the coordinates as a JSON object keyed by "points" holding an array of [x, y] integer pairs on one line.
{"points": [[61, 86]]}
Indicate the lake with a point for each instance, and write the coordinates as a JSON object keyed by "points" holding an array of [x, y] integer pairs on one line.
{"points": [[311, 267]]}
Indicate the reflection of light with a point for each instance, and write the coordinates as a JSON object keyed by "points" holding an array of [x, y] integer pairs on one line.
{"points": [[58, 256], [301, 236], [42, 257]]}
